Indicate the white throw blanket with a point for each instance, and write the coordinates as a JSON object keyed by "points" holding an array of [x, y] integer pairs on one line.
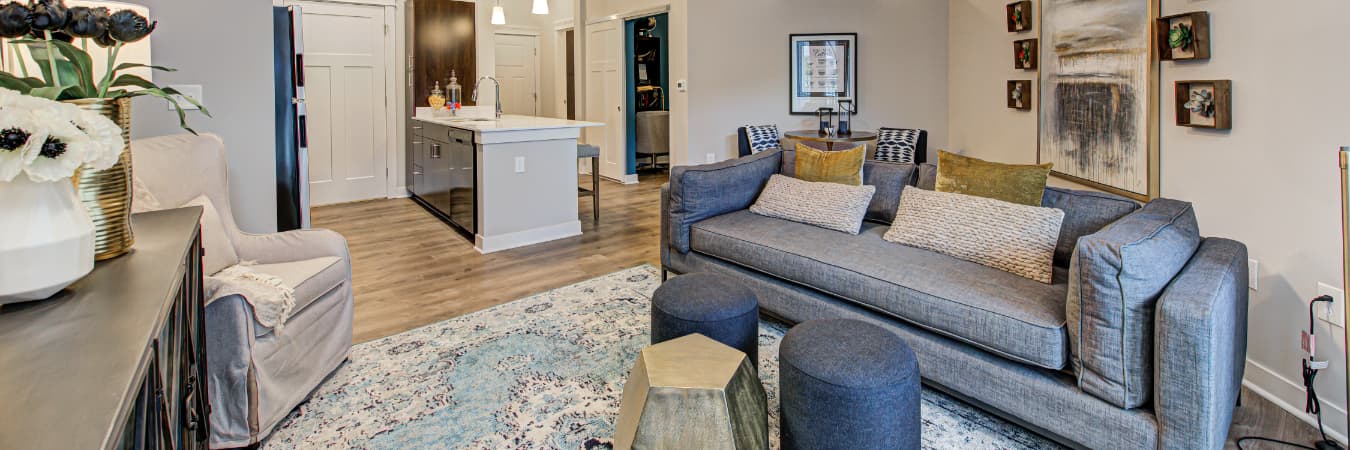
{"points": [[272, 300]]}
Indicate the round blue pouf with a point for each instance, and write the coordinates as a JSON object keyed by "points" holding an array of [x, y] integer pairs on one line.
{"points": [[847, 384], [716, 306]]}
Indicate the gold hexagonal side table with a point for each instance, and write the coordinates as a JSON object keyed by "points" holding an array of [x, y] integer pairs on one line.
{"points": [[693, 392]]}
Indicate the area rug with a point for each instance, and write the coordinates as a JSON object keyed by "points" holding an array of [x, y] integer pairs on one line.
{"points": [[544, 372]]}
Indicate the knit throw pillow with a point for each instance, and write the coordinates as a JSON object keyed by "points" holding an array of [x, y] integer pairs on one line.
{"points": [[1017, 239], [831, 206], [762, 137]]}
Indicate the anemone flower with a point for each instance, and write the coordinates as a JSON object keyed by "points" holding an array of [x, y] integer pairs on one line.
{"points": [[18, 133]]}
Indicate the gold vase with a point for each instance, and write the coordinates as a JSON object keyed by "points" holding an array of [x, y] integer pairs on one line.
{"points": [[106, 194]]}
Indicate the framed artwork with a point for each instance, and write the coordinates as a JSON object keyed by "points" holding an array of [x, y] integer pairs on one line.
{"points": [[1026, 54], [824, 69], [1019, 16], [1099, 94], [1019, 95], [1183, 37], [1205, 104]]}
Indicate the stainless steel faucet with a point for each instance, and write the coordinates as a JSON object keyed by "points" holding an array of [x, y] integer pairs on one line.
{"points": [[495, 83]]}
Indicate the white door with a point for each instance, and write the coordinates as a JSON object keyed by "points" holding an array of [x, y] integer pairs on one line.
{"points": [[518, 71], [605, 96], [345, 76]]}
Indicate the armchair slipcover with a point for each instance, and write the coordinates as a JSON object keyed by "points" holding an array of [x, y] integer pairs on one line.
{"points": [[256, 375]]}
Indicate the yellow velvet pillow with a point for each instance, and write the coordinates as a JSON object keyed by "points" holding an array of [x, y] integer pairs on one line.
{"points": [[843, 167], [1021, 184]]}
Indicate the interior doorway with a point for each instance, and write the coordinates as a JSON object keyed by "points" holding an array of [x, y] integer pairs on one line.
{"points": [[517, 67], [647, 57]]}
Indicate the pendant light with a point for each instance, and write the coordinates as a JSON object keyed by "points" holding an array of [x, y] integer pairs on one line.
{"points": [[540, 7], [498, 14]]}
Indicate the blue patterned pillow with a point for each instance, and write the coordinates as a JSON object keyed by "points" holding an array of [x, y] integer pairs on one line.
{"points": [[762, 137], [899, 145]]}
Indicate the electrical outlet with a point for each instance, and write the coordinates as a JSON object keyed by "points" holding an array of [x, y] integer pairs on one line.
{"points": [[1253, 274], [711, 158], [520, 164], [1334, 312]]}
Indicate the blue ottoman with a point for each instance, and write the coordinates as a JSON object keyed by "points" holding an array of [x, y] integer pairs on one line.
{"points": [[715, 306], [847, 384]]}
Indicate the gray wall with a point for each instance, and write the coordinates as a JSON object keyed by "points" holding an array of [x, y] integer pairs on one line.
{"points": [[738, 65], [225, 46]]}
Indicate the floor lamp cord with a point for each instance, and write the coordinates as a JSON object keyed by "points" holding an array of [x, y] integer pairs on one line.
{"points": [[1311, 367]]}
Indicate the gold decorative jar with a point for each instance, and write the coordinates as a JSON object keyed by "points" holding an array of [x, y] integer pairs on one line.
{"points": [[106, 194]]}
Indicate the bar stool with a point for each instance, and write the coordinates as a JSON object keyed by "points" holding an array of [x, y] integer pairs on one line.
{"points": [[592, 152]]}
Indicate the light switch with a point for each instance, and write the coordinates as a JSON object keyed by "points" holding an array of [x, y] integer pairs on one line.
{"points": [[682, 86], [190, 90], [520, 164]]}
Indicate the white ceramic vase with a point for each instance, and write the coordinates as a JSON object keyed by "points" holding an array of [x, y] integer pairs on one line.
{"points": [[46, 239]]}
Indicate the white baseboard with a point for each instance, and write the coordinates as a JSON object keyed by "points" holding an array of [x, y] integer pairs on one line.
{"points": [[1287, 394], [490, 244]]}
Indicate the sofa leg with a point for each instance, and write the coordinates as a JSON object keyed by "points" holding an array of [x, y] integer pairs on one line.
{"points": [[664, 274], [1239, 398]]}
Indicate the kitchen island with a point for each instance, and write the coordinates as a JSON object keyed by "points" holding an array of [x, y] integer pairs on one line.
{"points": [[503, 182]]}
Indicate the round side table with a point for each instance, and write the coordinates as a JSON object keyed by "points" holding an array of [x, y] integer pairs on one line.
{"points": [[831, 140]]}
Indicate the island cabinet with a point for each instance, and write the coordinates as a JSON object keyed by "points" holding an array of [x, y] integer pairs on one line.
{"points": [[118, 360], [442, 175]]}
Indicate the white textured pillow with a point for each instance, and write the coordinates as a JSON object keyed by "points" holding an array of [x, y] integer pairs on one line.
{"points": [[220, 252], [1014, 238], [831, 206]]}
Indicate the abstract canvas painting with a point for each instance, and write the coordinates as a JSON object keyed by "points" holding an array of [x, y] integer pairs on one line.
{"points": [[1098, 100]]}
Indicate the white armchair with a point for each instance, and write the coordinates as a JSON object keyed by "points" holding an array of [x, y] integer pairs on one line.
{"points": [[256, 376]]}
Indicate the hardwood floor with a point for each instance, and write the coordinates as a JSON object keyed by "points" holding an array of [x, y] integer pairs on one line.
{"points": [[410, 270]]}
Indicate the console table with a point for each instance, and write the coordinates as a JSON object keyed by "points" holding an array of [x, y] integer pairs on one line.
{"points": [[118, 360]]}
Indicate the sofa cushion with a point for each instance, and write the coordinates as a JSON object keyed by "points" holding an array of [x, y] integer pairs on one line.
{"points": [[700, 192], [1085, 212], [1011, 316], [831, 206], [926, 177], [1115, 279], [1016, 183], [1018, 239], [890, 180], [310, 278]]}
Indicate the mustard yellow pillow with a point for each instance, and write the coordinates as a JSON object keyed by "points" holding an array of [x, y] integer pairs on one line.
{"points": [[843, 167], [1021, 184]]}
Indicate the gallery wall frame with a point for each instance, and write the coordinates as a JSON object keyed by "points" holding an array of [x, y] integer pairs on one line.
{"points": [[824, 85], [1205, 104], [1111, 85], [1019, 95], [1191, 40], [1020, 16]]}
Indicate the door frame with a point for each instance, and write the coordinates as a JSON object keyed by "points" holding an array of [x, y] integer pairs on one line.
{"points": [[531, 32], [395, 49]]}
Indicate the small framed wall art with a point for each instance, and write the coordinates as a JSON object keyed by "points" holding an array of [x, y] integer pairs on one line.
{"points": [[1183, 37], [1026, 54], [1019, 95], [1019, 16], [1205, 104], [824, 68]]}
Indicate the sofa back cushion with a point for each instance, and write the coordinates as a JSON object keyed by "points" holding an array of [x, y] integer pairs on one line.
{"points": [[1085, 212], [701, 192], [1115, 278], [927, 177]]}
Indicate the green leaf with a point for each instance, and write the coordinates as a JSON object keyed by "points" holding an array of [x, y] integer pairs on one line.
{"points": [[132, 80], [125, 66], [48, 92], [84, 64], [22, 85], [70, 75], [172, 97]]}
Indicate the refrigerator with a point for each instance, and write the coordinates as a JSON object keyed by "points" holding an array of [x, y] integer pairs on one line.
{"points": [[292, 137]]}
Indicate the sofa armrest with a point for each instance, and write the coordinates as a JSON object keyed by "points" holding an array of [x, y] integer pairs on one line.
{"points": [[665, 225], [1201, 333], [297, 245], [701, 192]]}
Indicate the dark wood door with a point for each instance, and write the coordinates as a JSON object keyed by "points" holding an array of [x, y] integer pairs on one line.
{"points": [[443, 40], [571, 75]]}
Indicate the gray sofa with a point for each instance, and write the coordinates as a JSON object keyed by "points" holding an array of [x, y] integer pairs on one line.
{"points": [[989, 337]]}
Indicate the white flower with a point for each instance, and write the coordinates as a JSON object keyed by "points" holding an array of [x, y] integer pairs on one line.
{"points": [[107, 137], [62, 152], [19, 136]]}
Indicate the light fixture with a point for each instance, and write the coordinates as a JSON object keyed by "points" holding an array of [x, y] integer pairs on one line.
{"points": [[540, 7], [498, 14]]}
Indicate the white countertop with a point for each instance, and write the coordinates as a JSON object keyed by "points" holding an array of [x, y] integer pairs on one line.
{"points": [[508, 122]]}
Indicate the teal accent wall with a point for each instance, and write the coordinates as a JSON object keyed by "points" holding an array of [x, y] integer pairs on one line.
{"points": [[661, 31]]}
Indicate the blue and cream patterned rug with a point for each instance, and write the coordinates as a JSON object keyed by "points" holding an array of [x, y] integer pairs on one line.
{"points": [[544, 372]]}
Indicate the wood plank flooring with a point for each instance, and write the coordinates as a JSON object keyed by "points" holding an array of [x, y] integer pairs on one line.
{"points": [[410, 270]]}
